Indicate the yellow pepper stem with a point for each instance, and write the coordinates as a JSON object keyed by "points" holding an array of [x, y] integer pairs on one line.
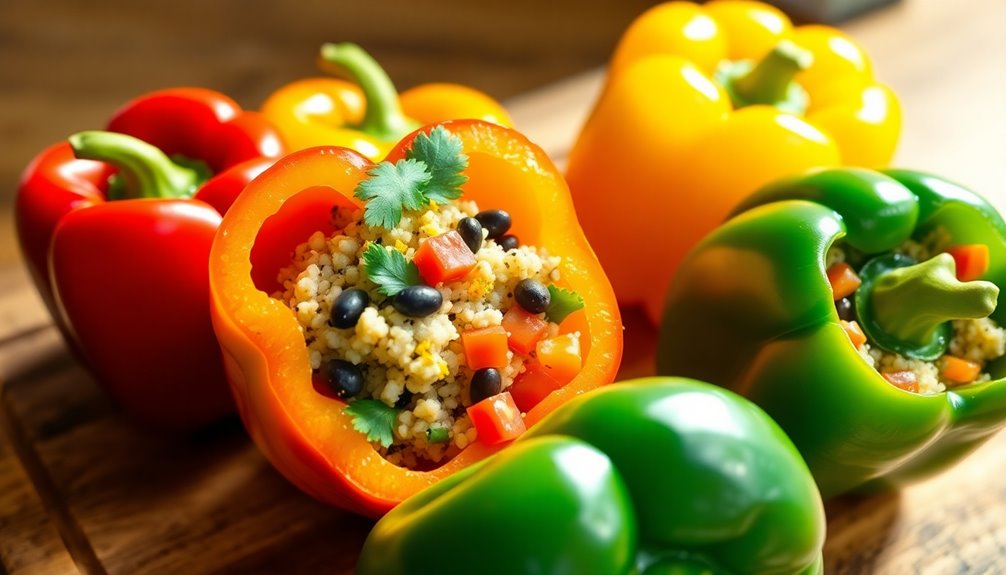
{"points": [[383, 118], [769, 81]]}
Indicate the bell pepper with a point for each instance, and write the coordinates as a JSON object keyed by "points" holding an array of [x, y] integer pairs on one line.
{"points": [[659, 475], [365, 112], [703, 105], [116, 237], [752, 309], [305, 434]]}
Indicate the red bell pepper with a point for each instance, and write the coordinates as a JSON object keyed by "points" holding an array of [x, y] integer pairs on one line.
{"points": [[118, 248]]}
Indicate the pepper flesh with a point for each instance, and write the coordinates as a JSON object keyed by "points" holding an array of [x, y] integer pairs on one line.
{"points": [[757, 288], [143, 329], [307, 436], [364, 112], [659, 475], [665, 144]]}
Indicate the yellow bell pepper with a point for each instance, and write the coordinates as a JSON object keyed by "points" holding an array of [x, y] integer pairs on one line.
{"points": [[702, 106], [365, 112]]}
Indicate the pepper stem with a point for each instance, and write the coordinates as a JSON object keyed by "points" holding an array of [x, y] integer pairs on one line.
{"points": [[771, 80], [912, 302], [383, 118], [145, 171]]}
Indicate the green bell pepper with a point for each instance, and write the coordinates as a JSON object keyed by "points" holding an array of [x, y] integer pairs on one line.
{"points": [[752, 310], [654, 476]]}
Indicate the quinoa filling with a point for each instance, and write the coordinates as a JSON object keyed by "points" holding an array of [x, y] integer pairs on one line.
{"points": [[972, 343]]}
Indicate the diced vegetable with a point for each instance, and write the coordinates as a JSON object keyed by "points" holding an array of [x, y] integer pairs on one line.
{"points": [[843, 279], [524, 329], [854, 332], [906, 380], [486, 347], [444, 258], [958, 370], [971, 260], [560, 356], [497, 419], [530, 387]]}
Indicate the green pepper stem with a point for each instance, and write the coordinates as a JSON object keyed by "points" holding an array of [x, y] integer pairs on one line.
{"points": [[771, 80], [383, 118], [912, 302], [145, 170]]}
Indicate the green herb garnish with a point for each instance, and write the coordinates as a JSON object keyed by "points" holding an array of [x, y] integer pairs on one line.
{"points": [[437, 435], [389, 269], [374, 418], [430, 172], [564, 302]]}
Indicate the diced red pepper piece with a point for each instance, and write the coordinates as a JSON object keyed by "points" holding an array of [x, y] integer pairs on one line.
{"points": [[959, 370], [497, 419], [560, 356], [532, 386], [444, 258], [971, 260], [524, 329], [906, 380], [485, 347], [843, 279], [854, 332]]}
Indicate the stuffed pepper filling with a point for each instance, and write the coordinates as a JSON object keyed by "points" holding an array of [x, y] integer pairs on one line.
{"points": [[919, 315], [430, 323]]}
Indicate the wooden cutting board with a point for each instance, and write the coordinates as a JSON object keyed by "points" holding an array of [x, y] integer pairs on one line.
{"points": [[82, 491]]}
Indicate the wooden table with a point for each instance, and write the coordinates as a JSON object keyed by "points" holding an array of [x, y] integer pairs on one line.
{"points": [[80, 490]]}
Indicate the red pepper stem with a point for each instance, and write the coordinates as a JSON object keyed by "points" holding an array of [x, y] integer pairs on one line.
{"points": [[383, 118], [145, 170], [771, 80]]}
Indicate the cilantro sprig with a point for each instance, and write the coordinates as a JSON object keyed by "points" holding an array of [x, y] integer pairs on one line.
{"points": [[563, 303], [389, 269], [374, 418], [431, 172]]}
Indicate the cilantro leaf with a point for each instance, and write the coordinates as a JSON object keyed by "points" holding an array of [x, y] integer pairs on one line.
{"points": [[441, 152], [564, 302], [389, 269], [374, 418], [390, 188]]}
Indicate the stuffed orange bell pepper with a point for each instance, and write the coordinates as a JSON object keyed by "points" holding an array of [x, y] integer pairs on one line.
{"points": [[385, 325], [364, 112], [703, 105]]}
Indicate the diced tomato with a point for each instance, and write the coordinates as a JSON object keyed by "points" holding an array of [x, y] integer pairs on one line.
{"points": [[972, 261], [524, 329], [906, 380], [444, 258], [497, 419], [560, 356], [486, 347], [959, 370], [854, 332], [530, 387], [843, 279]]}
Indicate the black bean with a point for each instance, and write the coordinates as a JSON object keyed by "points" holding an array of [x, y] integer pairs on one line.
{"points": [[417, 301], [486, 382], [497, 222], [846, 309], [471, 232], [348, 307], [508, 242], [404, 400], [345, 378], [532, 295]]}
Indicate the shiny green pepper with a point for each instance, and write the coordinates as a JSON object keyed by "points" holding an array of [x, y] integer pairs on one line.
{"points": [[752, 310], [654, 476]]}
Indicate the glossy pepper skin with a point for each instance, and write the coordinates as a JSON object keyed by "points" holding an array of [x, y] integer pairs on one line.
{"points": [[751, 309], [658, 475], [364, 112], [666, 152], [306, 435], [126, 278]]}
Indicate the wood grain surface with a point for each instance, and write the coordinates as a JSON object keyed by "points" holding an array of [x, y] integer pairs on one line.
{"points": [[83, 491]]}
